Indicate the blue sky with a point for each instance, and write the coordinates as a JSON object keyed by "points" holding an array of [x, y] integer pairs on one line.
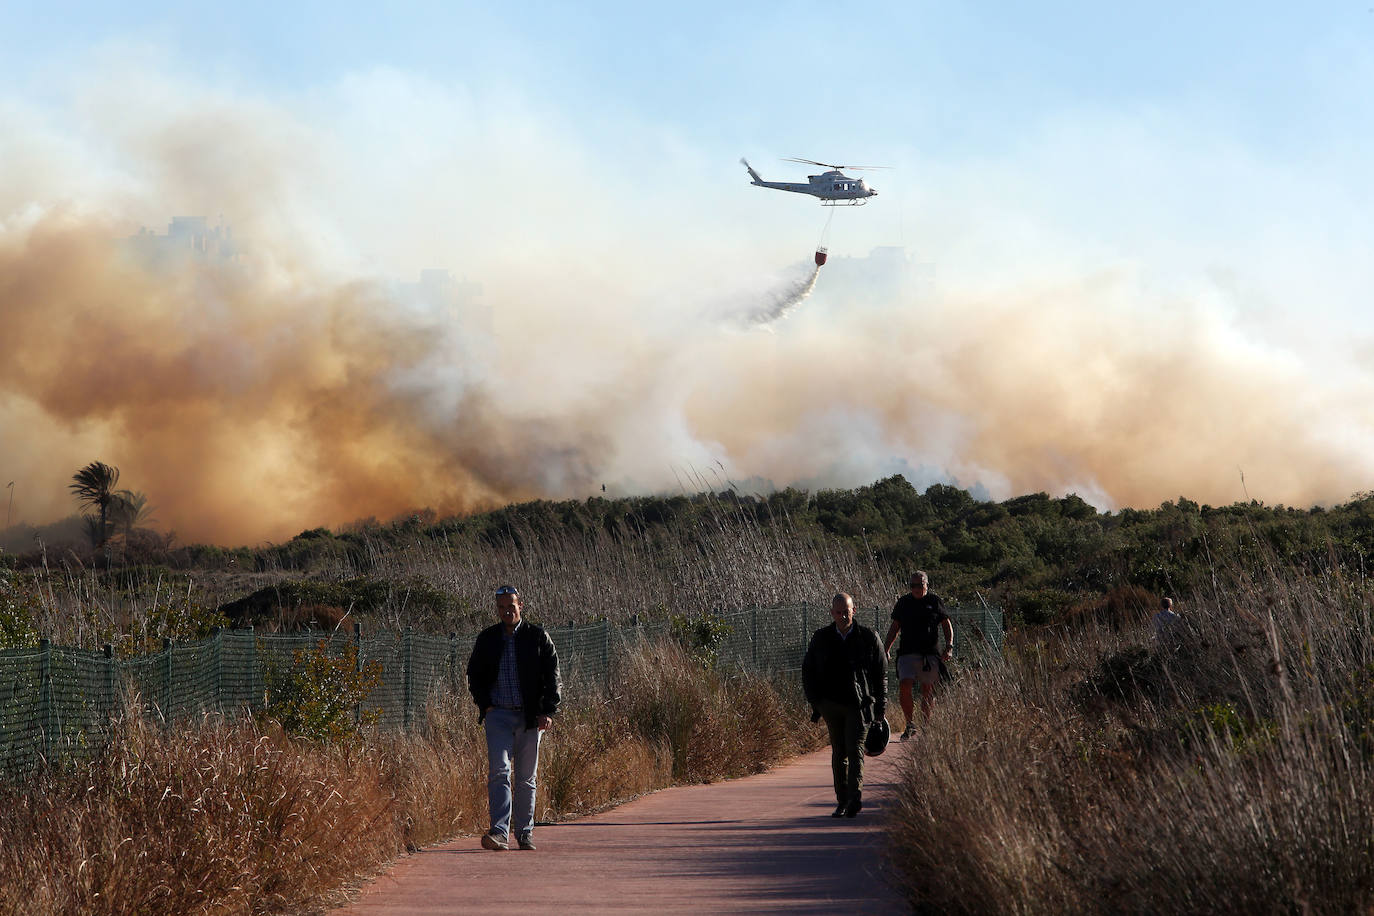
{"points": [[1094, 197], [935, 76]]}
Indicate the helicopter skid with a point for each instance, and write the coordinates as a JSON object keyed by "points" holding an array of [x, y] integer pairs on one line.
{"points": [[856, 202]]}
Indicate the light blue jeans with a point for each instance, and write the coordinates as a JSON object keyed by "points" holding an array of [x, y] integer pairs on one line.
{"points": [[511, 746]]}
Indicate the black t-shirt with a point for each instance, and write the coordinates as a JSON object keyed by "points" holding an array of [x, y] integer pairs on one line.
{"points": [[920, 621]]}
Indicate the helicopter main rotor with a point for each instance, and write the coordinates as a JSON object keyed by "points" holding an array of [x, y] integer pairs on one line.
{"points": [[838, 168]]}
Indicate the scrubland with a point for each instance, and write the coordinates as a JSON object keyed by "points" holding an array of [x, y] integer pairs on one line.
{"points": [[1225, 768], [240, 817]]}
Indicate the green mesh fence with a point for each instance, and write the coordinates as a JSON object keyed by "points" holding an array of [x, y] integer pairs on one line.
{"points": [[58, 702]]}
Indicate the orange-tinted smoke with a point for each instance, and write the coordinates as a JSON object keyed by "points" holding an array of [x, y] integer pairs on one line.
{"points": [[245, 408]]}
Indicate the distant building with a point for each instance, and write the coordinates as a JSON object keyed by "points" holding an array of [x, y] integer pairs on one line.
{"points": [[884, 276], [187, 238], [440, 293]]}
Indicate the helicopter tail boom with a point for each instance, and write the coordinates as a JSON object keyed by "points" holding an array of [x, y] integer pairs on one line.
{"points": [[752, 174]]}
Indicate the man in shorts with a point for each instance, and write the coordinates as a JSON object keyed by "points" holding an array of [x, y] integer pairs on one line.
{"points": [[919, 617]]}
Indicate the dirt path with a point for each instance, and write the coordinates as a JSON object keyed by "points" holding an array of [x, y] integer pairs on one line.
{"points": [[764, 844]]}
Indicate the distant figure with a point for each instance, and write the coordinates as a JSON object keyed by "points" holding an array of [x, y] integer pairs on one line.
{"points": [[919, 617], [844, 675], [513, 678], [1166, 620]]}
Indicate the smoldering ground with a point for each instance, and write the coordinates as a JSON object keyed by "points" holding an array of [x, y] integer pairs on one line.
{"points": [[291, 387]]}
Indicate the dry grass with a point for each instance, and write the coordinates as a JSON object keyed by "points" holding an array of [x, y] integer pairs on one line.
{"points": [[718, 560], [1229, 770], [231, 818], [216, 819]]}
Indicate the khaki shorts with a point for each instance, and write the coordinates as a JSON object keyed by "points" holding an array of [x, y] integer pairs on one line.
{"points": [[924, 669]]}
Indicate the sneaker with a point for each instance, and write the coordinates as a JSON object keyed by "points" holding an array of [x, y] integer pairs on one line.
{"points": [[852, 809], [525, 842], [495, 841], [910, 730], [839, 810]]}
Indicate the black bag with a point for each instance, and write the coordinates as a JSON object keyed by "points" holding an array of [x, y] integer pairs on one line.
{"points": [[875, 742]]}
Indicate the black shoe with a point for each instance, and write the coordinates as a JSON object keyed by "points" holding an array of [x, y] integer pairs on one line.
{"points": [[839, 810], [852, 809]]}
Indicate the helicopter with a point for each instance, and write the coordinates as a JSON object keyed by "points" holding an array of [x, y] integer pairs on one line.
{"points": [[834, 188]]}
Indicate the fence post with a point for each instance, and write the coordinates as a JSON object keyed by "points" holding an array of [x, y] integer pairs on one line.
{"points": [[107, 651], [408, 699], [45, 710], [253, 694], [217, 638], [167, 681], [606, 653], [358, 667], [754, 639]]}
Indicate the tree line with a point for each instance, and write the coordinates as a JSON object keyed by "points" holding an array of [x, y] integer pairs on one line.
{"points": [[1040, 558]]}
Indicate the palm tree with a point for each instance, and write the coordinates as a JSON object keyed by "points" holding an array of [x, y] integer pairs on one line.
{"points": [[130, 510], [93, 486]]}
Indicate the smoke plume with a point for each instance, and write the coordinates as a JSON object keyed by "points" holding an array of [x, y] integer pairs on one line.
{"points": [[312, 378]]}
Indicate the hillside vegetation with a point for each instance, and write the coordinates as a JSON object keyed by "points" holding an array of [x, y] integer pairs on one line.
{"points": [[1044, 560]]}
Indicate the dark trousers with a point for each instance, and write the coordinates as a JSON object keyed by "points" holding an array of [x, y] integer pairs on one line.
{"points": [[846, 727]]}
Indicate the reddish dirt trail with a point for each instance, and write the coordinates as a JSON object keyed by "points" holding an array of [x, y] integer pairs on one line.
{"points": [[764, 844]]}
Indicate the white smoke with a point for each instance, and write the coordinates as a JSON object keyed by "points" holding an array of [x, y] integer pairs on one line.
{"points": [[782, 302]]}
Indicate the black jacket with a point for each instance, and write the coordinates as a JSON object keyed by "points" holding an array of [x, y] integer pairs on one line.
{"points": [[851, 671], [535, 658]]}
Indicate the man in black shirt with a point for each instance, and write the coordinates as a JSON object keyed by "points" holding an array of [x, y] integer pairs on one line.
{"points": [[919, 617]]}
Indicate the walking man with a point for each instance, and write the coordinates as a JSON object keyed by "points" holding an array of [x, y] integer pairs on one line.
{"points": [[844, 675], [1165, 622], [513, 678], [919, 617]]}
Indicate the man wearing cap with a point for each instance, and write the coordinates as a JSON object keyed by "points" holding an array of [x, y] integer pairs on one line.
{"points": [[513, 679], [844, 675], [919, 617]]}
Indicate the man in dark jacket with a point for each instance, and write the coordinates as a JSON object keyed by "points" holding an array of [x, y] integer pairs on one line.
{"points": [[845, 678], [513, 678]]}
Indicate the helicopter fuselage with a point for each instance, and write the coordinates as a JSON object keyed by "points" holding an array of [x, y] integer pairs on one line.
{"points": [[834, 188]]}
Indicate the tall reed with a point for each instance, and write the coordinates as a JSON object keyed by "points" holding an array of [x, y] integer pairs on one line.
{"points": [[1226, 767]]}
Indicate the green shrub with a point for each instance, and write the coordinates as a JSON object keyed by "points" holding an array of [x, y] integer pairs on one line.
{"points": [[1234, 730], [701, 636], [17, 607], [317, 697], [1357, 708]]}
